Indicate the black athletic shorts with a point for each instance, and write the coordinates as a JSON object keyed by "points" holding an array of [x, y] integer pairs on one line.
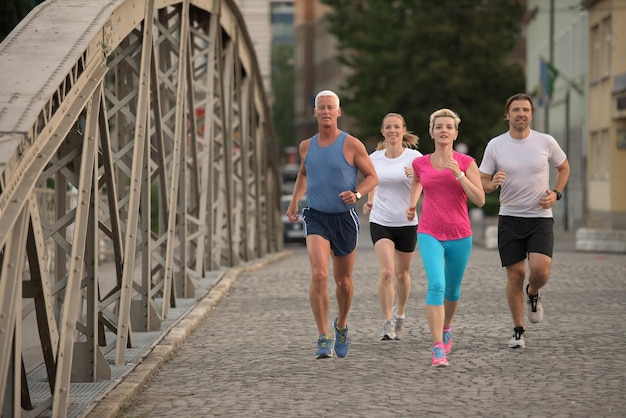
{"points": [[404, 237], [519, 236]]}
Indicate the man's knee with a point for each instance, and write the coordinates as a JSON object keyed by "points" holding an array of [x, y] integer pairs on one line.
{"points": [[319, 276], [539, 266], [516, 272], [540, 273], [344, 282]]}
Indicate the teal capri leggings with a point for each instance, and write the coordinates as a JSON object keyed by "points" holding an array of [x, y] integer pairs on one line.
{"points": [[444, 264]]}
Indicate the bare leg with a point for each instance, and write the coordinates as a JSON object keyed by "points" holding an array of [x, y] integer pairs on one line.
{"points": [[403, 280], [435, 315], [318, 250], [539, 271], [342, 269], [516, 274], [450, 309], [384, 251]]}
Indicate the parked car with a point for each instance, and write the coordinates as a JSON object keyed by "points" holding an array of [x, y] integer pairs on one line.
{"points": [[292, 231], [289, 173]]}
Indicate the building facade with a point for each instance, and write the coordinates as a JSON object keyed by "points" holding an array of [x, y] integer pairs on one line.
{"points": [[269, 22], [606, 168], [584, 43], [561, 112], [256, 13]]}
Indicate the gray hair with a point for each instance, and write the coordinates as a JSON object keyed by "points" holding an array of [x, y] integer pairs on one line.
{"points": [[324, 93]]}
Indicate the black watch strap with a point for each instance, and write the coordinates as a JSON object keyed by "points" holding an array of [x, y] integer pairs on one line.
{"points": [[558, 194]]}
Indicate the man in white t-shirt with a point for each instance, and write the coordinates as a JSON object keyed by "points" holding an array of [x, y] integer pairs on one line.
{"points": [[518, 161]]}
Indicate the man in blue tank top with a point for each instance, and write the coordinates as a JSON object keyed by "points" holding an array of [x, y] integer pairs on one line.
{"points": [[331, 160]]}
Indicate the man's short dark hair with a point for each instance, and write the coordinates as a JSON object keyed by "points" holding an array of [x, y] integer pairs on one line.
{"points": [[518, 96]]}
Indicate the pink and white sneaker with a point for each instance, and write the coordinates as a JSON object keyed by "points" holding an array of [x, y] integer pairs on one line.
{"points": [[439, 357], [447, 341]]}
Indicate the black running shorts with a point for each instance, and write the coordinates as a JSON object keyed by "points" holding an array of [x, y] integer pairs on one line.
{"points": [[519, 236], [403, 237]]}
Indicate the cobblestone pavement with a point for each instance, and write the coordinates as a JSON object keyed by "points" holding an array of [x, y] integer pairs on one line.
{"points": [[253, 354]]}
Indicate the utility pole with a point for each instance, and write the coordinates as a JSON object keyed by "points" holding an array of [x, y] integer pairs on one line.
{"points": [[567, 150], [550, 61]]}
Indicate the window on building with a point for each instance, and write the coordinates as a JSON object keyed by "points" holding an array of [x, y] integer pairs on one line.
{"points": [[606, 58], [594, 154], [605, 154], [282, 22], [595, 53]]}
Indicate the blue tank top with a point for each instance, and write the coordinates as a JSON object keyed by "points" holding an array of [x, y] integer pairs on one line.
{"points": [[328, 174]]}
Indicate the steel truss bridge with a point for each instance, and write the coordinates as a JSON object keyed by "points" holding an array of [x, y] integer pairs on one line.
{"points": [[135, 133]]}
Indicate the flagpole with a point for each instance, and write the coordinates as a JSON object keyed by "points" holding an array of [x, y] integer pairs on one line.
{"points": [[546, 109], [567, 150]]}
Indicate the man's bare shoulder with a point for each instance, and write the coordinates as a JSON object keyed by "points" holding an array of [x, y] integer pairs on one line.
{"points": [[354, 141], [304, 144]]}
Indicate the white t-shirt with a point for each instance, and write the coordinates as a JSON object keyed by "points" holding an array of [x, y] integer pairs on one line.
{"points": [[393, 189], [526, 163]]}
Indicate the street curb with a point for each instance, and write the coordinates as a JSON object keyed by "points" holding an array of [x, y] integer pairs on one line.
{"points": [[111, 403]]}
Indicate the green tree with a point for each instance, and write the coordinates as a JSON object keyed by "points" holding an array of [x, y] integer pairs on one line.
{"points": [[11, 12], [282, 88], [416, 56]]}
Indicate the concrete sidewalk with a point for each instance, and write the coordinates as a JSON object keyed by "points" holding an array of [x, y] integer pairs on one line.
{"points": [[252, 351]]}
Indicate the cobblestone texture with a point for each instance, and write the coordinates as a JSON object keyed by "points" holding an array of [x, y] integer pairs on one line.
{"points": [[253, 355]]}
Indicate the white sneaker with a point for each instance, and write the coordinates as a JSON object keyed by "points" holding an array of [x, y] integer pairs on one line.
{"points": [[389, 331], [535, 307], [518, 339], [398, 322]]}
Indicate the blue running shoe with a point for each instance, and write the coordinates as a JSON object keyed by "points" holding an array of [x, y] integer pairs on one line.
{"points": [[342, 344], [324, 347]]}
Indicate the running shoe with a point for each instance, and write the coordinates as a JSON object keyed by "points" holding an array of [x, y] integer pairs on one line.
{"points": [[324, 347], [535, 308], [447, 341], [439, 357], [518, 339], [398, 322], [342, 343], [389, 331]]}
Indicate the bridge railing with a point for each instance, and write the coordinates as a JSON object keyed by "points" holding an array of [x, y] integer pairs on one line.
{"points": [[134, 133]]}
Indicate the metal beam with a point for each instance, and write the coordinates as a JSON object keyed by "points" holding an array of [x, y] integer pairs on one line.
{"points": [[137, 158]]}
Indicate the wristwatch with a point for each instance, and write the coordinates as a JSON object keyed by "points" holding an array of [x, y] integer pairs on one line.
{"points": [[357, 194], [558, 194]]}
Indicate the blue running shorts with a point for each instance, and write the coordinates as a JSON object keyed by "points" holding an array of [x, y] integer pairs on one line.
{"points": [[340, 229]]}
